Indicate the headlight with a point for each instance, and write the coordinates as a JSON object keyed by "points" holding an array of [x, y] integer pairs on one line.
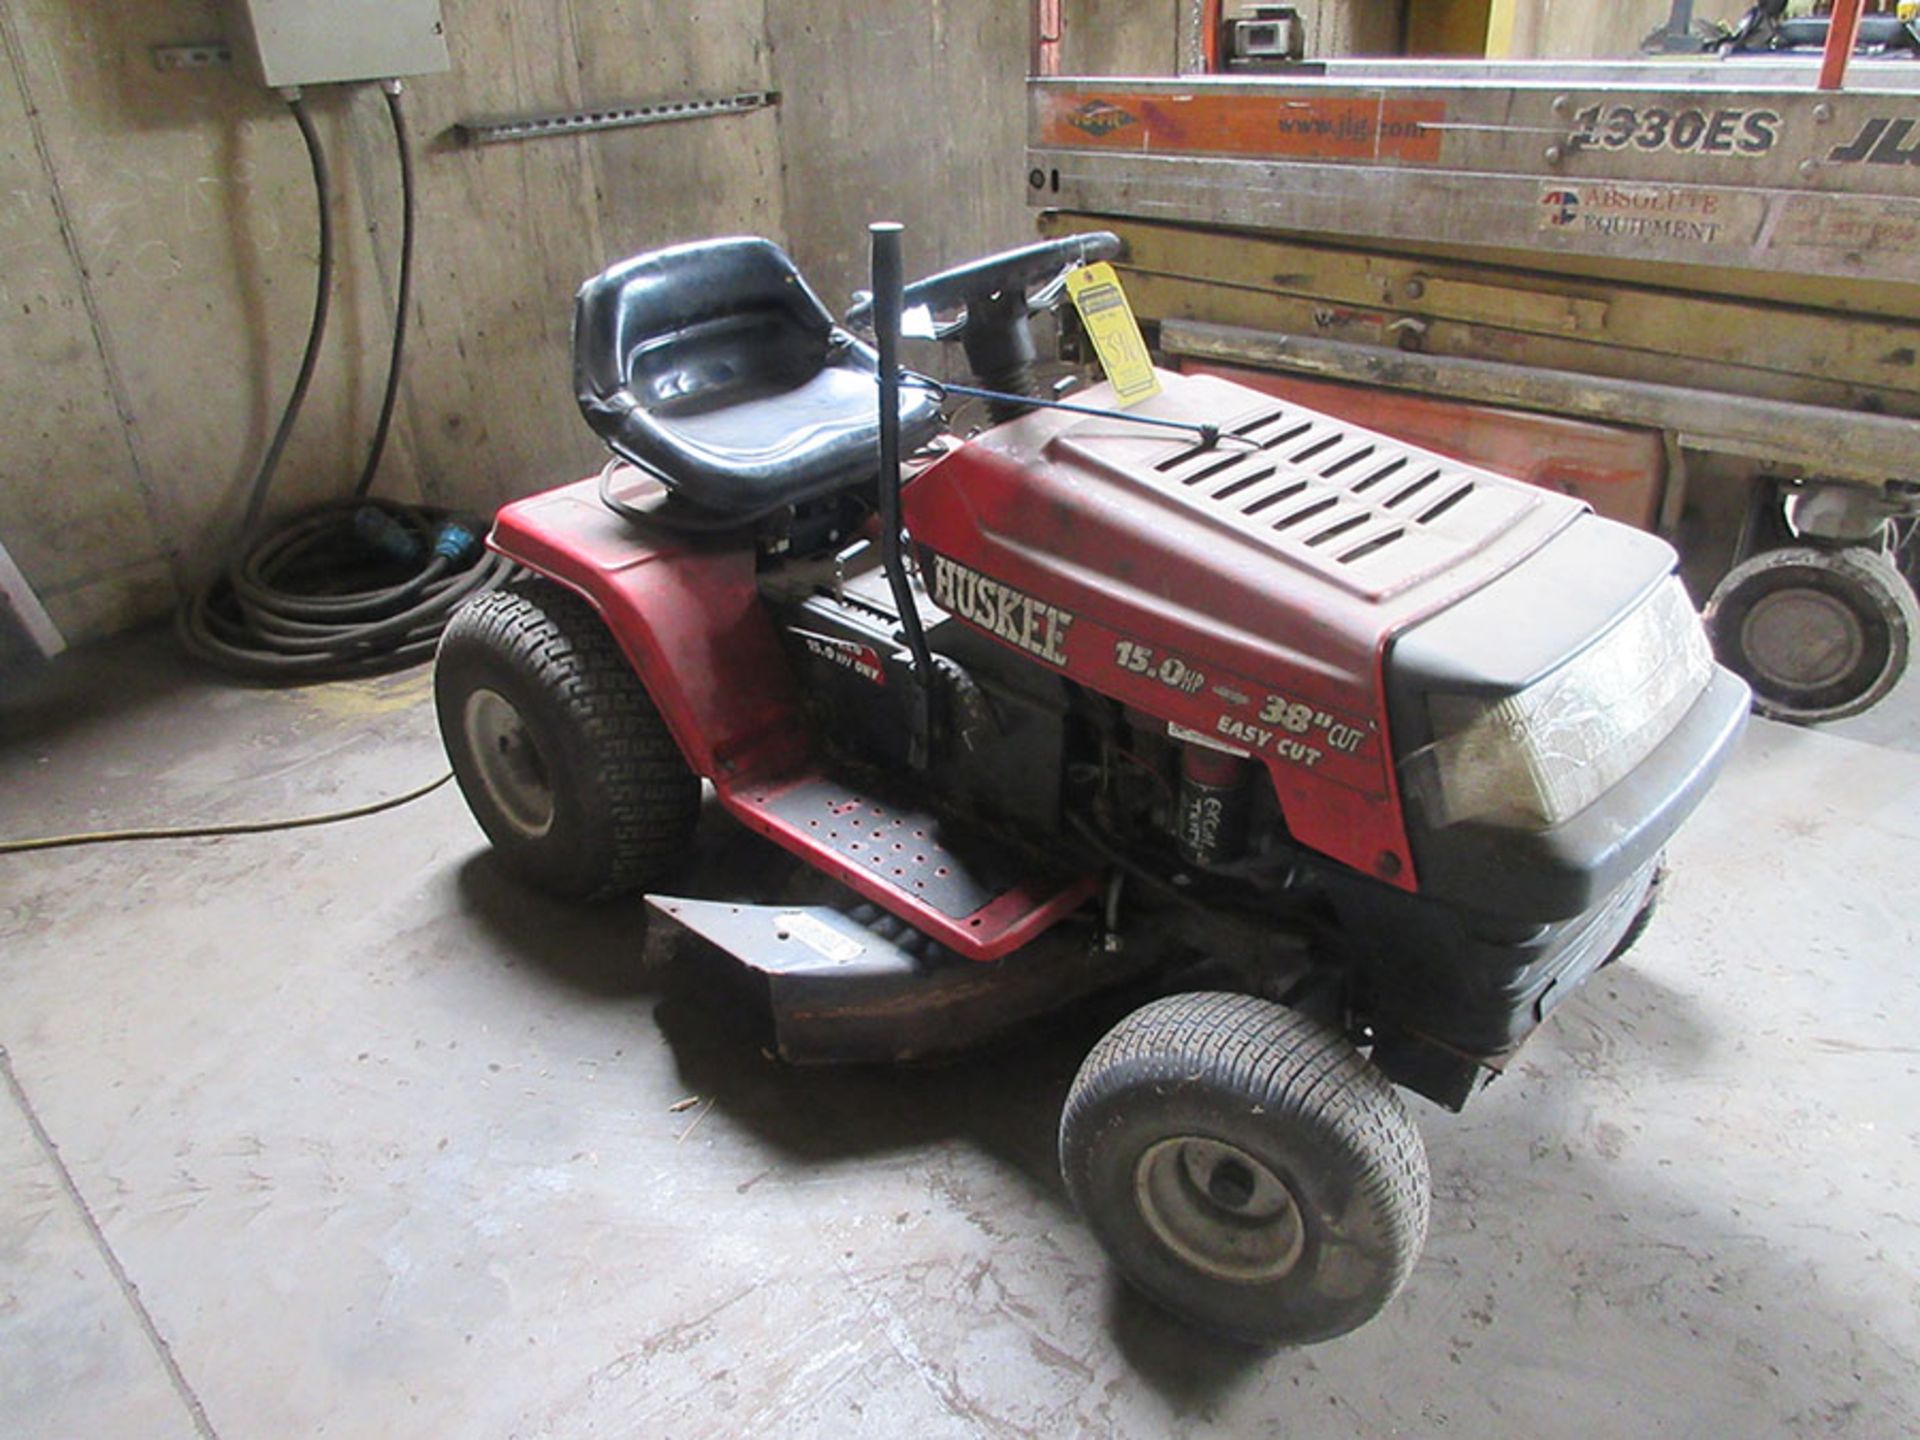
{"points": [[1533, 758]]}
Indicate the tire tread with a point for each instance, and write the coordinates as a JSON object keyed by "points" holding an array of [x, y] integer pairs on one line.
{"points": [[563, 647], [1290, 1065]]}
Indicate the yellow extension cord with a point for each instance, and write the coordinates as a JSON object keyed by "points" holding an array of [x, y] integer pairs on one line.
{"points": [[238, 827]]}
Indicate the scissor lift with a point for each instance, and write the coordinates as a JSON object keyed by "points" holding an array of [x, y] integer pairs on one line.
{"points": [[1686, 289]]}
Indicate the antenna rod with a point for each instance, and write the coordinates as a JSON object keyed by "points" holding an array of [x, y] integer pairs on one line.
{"points": [[888, 283]]}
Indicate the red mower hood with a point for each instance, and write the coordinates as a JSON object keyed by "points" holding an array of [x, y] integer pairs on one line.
{"points": [[1246, 591]]}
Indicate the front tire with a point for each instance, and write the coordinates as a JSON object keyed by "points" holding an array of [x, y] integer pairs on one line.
{"points": [[1643, 917], [1246, 1168], [561, 754]]}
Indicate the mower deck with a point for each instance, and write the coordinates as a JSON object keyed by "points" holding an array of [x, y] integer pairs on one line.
{"points": [[860, 987]]}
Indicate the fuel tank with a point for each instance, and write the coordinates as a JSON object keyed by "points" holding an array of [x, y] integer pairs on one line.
{"points": [[1245, 590]]}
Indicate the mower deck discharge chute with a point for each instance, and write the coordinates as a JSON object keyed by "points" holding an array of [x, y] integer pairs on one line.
{"points": [[1366, 757]]}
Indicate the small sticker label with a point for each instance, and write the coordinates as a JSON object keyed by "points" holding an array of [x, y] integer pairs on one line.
{"points": [[1115, 333], [1100, 117], [1294, 125], [1688, 214], [1195, 737], [818, 936], [862, 660], [1859, 223]]}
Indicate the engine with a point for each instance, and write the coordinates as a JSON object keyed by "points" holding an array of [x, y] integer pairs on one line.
{"points": [[1018, 748]]}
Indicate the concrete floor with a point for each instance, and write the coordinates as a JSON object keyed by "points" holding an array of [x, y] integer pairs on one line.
{"points": [[338, 1133]]}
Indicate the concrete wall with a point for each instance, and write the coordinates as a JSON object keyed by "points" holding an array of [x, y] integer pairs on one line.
{"points": [[157, 244], [909, 110], [1582, 30], [1123, 37], [1352, 27]]}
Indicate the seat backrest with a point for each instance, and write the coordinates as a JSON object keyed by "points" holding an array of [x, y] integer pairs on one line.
{"points": [[714, 368], [692, 327]]}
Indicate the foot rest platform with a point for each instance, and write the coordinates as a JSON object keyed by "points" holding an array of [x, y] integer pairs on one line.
{"points": [[898, 859]]}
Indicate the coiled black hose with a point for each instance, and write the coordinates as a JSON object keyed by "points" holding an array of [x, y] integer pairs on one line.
{"points": [[350, 587], [353, 587]]}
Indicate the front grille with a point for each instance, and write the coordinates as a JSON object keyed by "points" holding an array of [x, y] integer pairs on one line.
{"points": [[1369, 513]]}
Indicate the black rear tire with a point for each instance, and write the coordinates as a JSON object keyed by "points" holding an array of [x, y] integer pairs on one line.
{"points": [[562, 756], [1246, 1168]]}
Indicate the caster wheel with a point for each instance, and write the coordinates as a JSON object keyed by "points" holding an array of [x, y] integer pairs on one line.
{"points": [[560, 753], [1818, 634], [1246, 1168]]}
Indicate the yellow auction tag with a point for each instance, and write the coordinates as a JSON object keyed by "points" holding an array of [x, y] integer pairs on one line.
{"points": [[1115, 333]]}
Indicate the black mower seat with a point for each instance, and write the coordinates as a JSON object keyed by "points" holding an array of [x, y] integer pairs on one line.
{"points": [[714, 366]]}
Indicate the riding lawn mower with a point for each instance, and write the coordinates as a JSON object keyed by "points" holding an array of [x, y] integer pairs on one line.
{"points": [[1358, 759]]}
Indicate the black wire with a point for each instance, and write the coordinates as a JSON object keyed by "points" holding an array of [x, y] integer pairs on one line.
{"points": [[316, 332], [1207, 436], [633, 514], [353, 586], [404, 302], [672, 513]]}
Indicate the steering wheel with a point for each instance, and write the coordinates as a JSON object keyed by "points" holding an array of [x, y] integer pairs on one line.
{"points": [[992, 285], [989, 302]]}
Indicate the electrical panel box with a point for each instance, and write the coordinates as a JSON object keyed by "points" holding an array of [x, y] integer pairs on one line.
{"points": [[325, 42]]}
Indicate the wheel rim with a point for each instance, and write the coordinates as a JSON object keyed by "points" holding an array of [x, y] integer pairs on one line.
{"points": [[511, 767], [1802, 639], [1219, 1209]]}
